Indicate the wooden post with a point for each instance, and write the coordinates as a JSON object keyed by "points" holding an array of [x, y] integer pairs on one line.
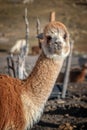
{"points": [[11, 66], [67, 71], [21, 71], [52, 16], [20, 67], [27, 31], [38, 27]]}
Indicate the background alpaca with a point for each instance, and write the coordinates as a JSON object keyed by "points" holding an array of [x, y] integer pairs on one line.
{"points": [[18, 46], [76, 75], [36, 50], [22, 102]]}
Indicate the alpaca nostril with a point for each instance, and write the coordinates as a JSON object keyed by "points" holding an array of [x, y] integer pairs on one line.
{"points": [[56, 43], [49, 39], [59, 43]]}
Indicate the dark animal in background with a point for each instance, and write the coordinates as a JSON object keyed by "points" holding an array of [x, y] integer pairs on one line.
{"points": [[76, 75]]}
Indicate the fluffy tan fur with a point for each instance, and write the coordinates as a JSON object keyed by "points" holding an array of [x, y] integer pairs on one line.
{"points": [[22, 102]]}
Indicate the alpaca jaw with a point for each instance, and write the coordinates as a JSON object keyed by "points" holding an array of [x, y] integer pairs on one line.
{"points": [[56, 43]]}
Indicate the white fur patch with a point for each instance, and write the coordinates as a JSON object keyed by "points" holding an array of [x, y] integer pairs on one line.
{"points": [[63, 55], [19, 45], [32, 112]]}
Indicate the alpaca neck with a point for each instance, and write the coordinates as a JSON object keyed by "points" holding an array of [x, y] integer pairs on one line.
{"points": [[43, 76], [38, 87]]}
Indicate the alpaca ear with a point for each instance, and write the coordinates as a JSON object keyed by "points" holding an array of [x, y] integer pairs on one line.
{"points": [[40, 36]]}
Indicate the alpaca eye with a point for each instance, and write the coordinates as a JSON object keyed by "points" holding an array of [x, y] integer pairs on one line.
{"points": [[64, 36], [48, 39]]}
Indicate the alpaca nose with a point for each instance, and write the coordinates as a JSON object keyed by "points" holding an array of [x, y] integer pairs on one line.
{"points": [[58, 45]]}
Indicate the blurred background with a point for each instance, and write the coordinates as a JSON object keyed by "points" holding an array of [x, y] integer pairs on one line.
{"points": [[73, 13]]}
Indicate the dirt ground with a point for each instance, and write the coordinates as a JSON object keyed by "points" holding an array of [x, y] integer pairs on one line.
{"points": [[59, 114], [66, 114]]}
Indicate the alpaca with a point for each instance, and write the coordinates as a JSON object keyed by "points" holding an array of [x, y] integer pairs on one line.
{"points": [[18, 46], [22, 101], [35, 50], [77, 75]]}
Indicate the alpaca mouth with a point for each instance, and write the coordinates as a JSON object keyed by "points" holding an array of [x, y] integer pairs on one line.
{"points": [[58, 52]]}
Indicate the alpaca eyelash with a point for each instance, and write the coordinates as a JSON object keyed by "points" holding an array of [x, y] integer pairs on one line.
{"points": [[64, 36], [48, 39]]}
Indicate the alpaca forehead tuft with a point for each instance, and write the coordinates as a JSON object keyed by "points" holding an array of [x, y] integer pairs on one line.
{"points": [[54, 27]]}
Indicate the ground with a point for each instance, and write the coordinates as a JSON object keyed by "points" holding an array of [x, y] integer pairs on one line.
{"points": [[59, 114], [66, 114]]}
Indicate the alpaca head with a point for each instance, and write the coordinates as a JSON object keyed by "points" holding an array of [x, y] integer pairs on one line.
{"points": [[56, 41]]}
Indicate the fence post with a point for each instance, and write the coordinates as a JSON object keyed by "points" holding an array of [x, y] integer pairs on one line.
{"points": [[11, 66], [21, 71], [27, 30], [38, 27], [67, 70], [52, 16]]}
